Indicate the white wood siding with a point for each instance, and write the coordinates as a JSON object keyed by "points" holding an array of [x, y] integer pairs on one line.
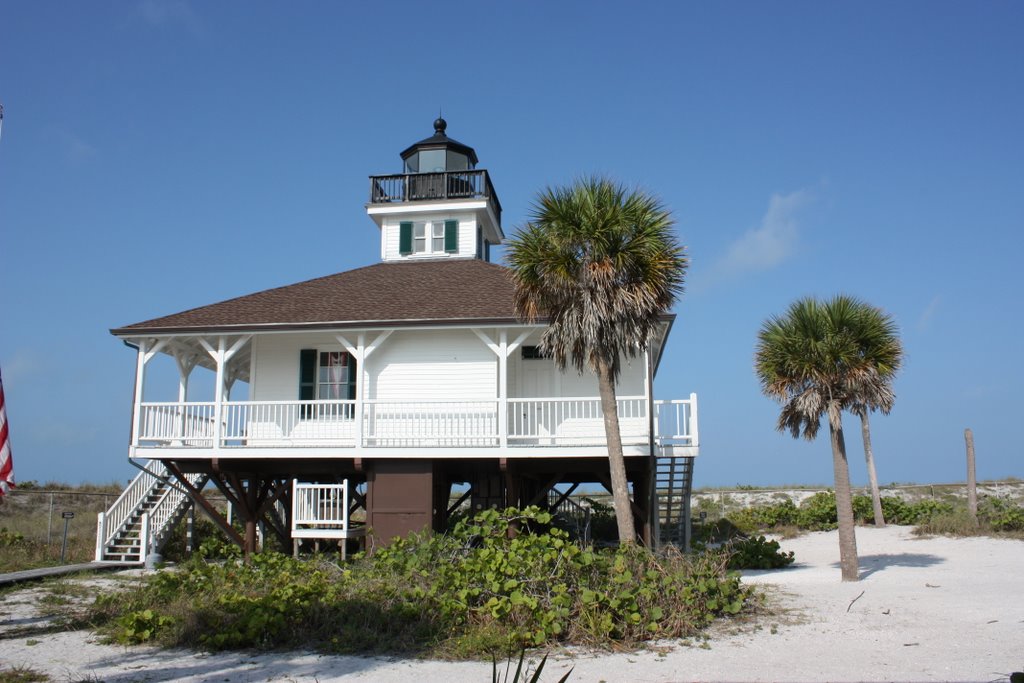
{"points": [[568, 382], [416, 365], [275, 364], [433, 365], [389, 239]]}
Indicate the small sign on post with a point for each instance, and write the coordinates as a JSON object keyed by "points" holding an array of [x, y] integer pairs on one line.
{"points": [[67, 517]]}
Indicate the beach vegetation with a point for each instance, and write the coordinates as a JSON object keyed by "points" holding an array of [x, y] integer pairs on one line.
{"points": [[473, 591]]}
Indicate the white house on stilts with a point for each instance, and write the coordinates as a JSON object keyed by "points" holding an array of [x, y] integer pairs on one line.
{"points": [[405, 380]]}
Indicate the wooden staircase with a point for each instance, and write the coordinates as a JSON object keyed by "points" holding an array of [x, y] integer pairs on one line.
{"points": [[673, 484], [141, 520]]}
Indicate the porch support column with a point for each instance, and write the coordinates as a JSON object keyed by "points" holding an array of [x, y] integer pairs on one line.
{"points": [[503, 390], [218, 406], [221, 355], [502, 349], [251, 516], [652, 525], [145, 354], [361, 351], [360, 356], [140, 385], [186, 362]]}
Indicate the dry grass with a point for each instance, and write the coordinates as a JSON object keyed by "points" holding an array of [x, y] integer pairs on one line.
{"points": [[34, 529], [22, 674]]}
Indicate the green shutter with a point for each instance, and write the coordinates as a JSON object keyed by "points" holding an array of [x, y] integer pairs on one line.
{"points": [[307, 374], [352, 377], [405, 238], [451, 236]]}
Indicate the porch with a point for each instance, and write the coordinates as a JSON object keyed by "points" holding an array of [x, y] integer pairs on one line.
{"points": [[512, 427]]}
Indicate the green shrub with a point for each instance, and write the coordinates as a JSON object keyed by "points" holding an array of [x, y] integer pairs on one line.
{"points": [[472, 591], [1001, 515], [142, 626], [757, 553], [770, 516], [10, 539], [818, 513]]}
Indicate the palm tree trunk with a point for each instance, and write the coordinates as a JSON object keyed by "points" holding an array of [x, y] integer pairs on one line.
{"points": [[876, 498], [616, 461], [848, 561]]}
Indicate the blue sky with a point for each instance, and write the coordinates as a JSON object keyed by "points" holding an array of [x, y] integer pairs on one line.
{"points": [[157, 156]]}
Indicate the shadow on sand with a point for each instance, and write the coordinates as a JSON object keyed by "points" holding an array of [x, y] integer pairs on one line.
{"points": [[145, 663], [869, 564]]}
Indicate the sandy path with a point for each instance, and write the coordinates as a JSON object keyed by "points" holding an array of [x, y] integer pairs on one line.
{"points": [[932, 609]]}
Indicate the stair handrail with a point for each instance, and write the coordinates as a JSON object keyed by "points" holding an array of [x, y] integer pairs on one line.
{"points": [[118, 514], [166, 507]]}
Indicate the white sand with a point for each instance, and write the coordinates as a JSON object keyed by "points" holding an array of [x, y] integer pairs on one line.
{"points": [[932, 609]]}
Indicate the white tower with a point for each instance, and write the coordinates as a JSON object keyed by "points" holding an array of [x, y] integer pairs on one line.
{"points": [[441, 206]]}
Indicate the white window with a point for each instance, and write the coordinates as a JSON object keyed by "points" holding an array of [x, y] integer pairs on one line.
{"points": [[437, 230], [419, 238], [428, 237], [335, 379]]}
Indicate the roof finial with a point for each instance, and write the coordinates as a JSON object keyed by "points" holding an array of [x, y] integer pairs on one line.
{"points": [[440, 124]]}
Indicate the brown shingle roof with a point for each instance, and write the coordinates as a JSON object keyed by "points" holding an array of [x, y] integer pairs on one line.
{"points": [[442, 291]]}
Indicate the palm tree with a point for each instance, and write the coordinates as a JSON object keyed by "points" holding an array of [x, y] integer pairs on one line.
{"points": [[601, 264], [885, 352], [818, 360]]}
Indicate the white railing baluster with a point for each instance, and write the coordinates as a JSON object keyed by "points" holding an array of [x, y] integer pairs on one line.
{"points": [[399, 424]]}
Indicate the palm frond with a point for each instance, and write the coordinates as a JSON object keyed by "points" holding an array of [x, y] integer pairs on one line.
{"points": [[821, 358], [602, 264]]}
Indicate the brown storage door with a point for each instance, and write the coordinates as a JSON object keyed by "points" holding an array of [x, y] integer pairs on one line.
{"points": [[399, 498]]}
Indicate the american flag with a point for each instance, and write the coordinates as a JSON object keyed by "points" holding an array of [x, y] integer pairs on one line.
{"points": [[6, 461]]}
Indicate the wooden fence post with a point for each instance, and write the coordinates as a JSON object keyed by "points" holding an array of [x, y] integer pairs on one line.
{"points": [[972, 482]]}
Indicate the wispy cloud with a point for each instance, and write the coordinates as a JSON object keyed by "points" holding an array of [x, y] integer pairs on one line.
{"points": [[79, 150], [773, 241], [161, 13], [22, 364], [925, 319]]}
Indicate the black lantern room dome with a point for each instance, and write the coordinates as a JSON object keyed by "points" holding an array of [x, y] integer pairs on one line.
{"points": [[438, 153]]}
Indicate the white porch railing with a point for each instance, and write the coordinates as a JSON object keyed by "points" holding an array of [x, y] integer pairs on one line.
{"points": [[427, 424], [319, 508], [413, 424], [178, 424], [321, 511], [675, 422], [573, 421], [289, 423], [129, 500]]}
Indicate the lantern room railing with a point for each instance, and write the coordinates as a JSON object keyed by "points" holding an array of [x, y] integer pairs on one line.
{"points": [[420, 187]]}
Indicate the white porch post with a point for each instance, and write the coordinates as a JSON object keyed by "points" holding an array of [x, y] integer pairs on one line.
{"points": [[361, 351], [184, 370], [222, 388], [146, 353], [144, 537], [218, 394], [694, 440], [502, 349], [101, 535], [186, 363], [360, 356], [649, 397], [140, 383], [503, 389]]}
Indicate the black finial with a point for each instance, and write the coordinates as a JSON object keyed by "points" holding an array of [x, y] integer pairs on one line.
{"points": [[440, 125]]}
